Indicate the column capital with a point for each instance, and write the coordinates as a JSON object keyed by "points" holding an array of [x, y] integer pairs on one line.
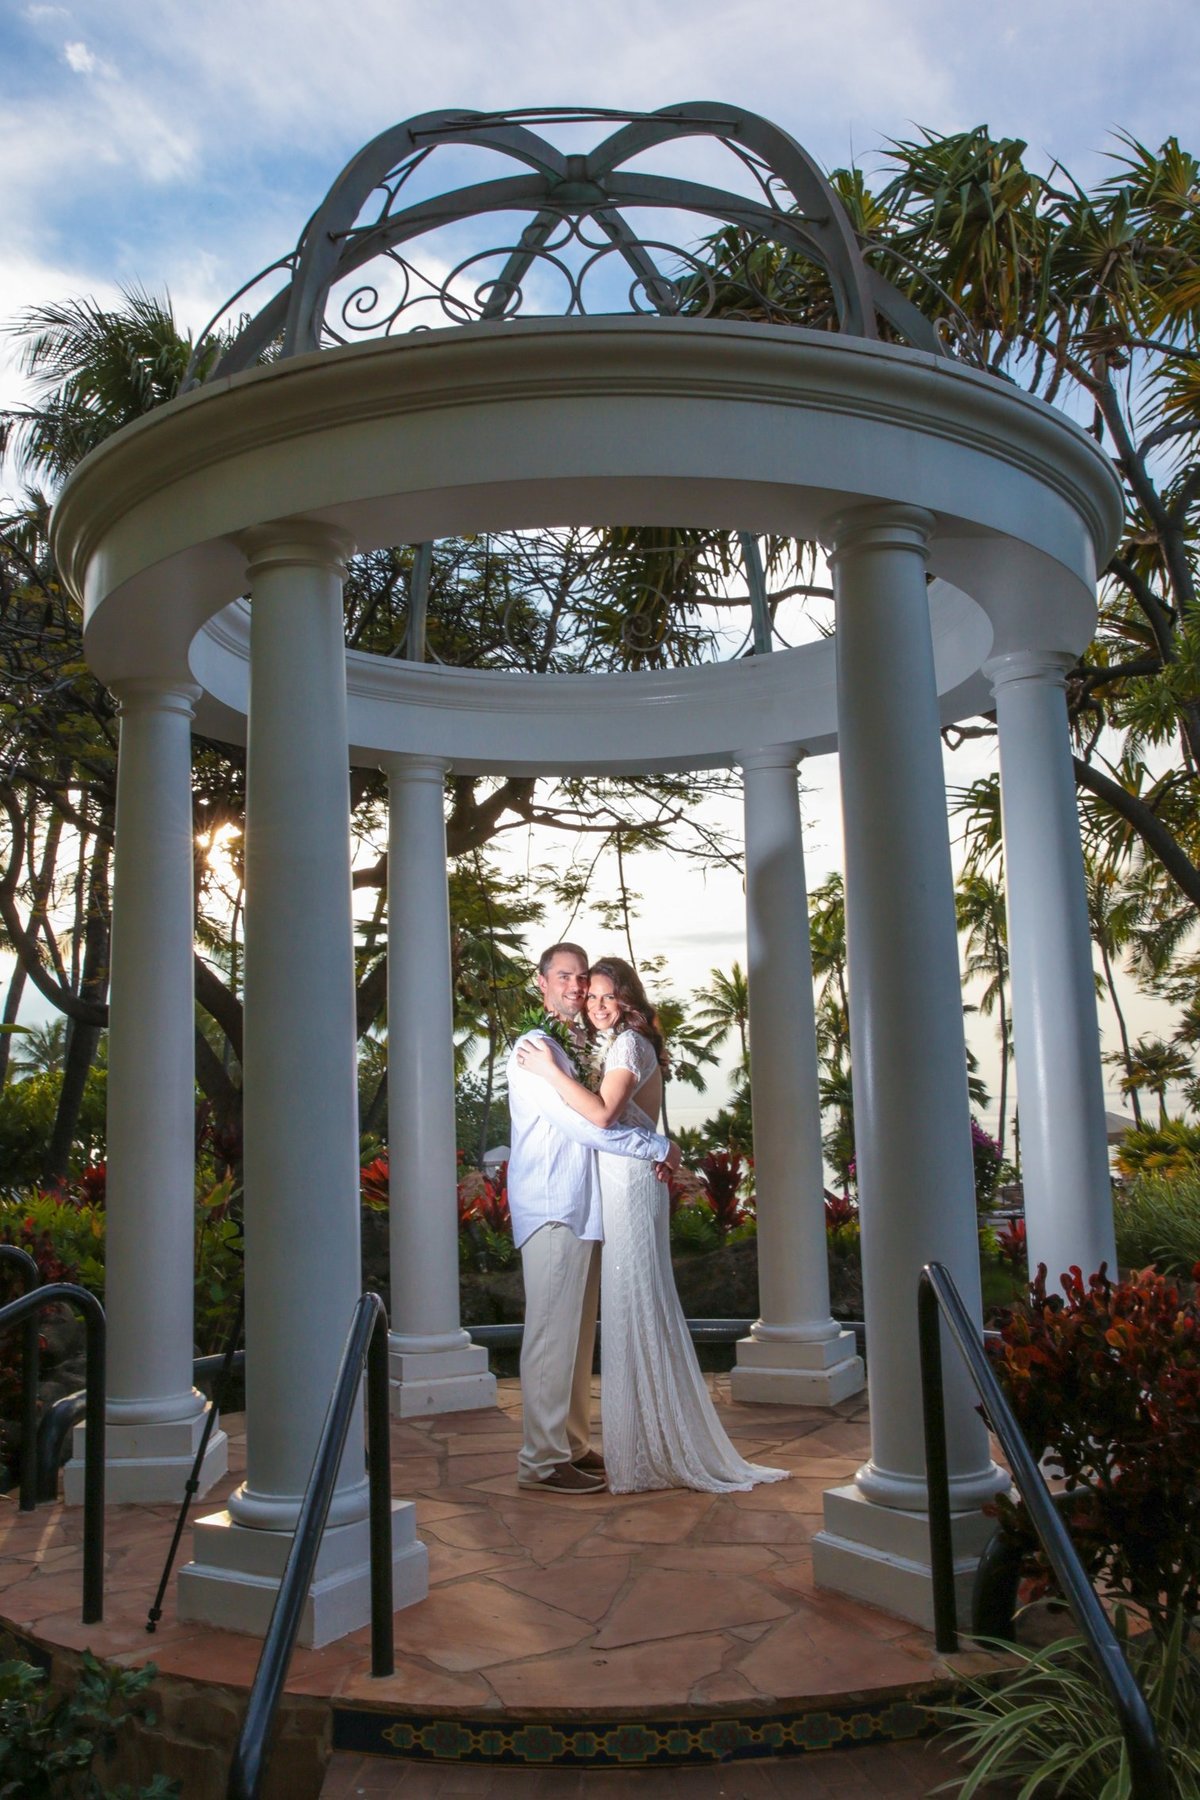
{"points": [[155, 693], [413, 767], [770, 756], [885, 525], [295, 543], [1049, 667]]}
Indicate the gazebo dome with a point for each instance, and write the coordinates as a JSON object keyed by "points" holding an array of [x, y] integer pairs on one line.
{"points": [[391, 250]]}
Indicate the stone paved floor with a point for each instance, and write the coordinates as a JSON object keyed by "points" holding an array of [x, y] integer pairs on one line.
{"points": [[619, 1603]]}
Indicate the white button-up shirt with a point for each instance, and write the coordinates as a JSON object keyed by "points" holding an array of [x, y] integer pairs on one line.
{"points": [[552, 1173]]}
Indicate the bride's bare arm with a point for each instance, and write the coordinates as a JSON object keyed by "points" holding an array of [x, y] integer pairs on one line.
{"points": [[604, 1108]]}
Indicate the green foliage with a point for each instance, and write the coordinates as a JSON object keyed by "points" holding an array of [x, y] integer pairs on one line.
{"points": [[1106, 1378], [27, 1112], [50, 1741], [693, 1229], [1052, 1726], [72, 1229], [219, 1266], [1158, 1221], [1166, 1150]]}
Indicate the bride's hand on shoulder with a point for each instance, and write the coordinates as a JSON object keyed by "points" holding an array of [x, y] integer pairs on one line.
{"points": [[535, 1056]]}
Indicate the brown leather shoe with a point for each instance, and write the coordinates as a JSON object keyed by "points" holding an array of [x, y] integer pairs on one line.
{"points": [[591, 1462], [565, 1479]]}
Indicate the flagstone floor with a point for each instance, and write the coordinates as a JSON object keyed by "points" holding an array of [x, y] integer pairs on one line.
{"points": [[616, 1605]]}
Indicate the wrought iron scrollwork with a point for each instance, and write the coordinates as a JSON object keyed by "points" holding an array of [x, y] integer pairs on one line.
{"points": [[388, 251]]}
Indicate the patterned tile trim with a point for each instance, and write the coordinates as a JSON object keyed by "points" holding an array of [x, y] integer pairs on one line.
{"points": [[631, 1743]]}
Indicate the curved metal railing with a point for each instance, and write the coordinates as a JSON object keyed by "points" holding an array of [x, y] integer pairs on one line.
{"points": [[20, 1311], [366, 1341], [938, 1301]]}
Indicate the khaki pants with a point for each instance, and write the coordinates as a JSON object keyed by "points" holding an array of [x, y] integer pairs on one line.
{"points": [[562, 1287]]}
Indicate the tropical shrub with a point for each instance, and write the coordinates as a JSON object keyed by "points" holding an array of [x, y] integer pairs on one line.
{"points": [[1157, 1221], [989, 1164], [1169, 1149], [1052, 1727], [724, 1174], [484, 1221], [693, 1228], [1106, 1378], [27, 1112], [50, 1740]]}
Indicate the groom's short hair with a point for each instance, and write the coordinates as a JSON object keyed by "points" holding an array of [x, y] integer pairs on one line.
{"points": [[548, 956]]}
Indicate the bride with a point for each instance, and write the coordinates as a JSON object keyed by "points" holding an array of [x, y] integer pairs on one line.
{"points": [[660, 1428]]}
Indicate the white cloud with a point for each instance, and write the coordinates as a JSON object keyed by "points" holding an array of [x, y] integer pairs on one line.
{"points": [[77, 56]]}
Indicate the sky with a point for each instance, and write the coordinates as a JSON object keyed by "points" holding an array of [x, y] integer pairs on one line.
{"points": [[180, 148]]}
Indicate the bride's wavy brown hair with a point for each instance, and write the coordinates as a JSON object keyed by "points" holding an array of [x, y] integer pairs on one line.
{"points": [[637, 1014]]}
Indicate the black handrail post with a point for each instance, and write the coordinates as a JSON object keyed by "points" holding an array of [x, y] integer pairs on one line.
{"points": [[937, 1470], [369, 1322], [31, 1277], [379, 1460], [93, 1466], [1148, 1770]]}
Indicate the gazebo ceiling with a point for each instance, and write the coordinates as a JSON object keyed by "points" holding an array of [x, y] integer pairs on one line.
{"points": [[703, 422]]}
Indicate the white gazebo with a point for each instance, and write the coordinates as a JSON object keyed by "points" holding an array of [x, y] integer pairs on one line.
{"points": [[964, 523]]}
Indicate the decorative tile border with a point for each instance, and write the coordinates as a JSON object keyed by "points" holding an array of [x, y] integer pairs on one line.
{"points": [[631, 1743]]}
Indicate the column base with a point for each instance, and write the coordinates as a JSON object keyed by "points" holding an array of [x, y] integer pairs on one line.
{"points": [[424, 1382], [881, 1555], [235, 1571], [796, 1372], [150, 1462]]}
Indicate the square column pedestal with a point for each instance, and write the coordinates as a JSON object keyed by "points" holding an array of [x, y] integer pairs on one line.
{"points": [[149, 1462], [795, 1372], [425, 1382], [235, 1571], [881, 1555]]}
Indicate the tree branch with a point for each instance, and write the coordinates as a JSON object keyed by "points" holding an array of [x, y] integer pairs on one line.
{"points": [[1146, 823]]}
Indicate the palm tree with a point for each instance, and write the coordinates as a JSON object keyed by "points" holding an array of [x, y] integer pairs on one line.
{"points": [[979, 904], [41, 1049], [1114, 914], [1154, 1065], [724, 1007], [688, 1048], [93, 369]]}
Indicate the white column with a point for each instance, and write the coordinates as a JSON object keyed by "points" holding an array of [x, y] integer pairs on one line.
{"points": [[435, 1367], [303, 1261], [1064, 1145], [911, 1110], [155, 1417], [796, 1352]]}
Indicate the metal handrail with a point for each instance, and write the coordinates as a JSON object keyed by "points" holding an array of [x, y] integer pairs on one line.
{"points": [[367, 1339], [31, 1277], [29, 1305], [938, 1301]]}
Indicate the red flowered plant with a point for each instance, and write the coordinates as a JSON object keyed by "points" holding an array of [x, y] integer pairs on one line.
{"points": [[374, 1182], [1106, 1378], [723, 1172], [93, 1184], [1011, 1243], [840, 1210]]}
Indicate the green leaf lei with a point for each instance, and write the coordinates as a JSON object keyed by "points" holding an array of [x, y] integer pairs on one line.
{"points": [[536, 1018]]}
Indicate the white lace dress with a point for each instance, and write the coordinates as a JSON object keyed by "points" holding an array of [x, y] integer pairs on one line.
{"points": [[660, 1429]]}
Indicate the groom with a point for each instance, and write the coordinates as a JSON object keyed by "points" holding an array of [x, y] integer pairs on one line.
{"points": [[554, 1198]]}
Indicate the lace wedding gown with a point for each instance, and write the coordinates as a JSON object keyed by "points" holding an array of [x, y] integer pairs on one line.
{"points": [[660, 1429]]}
